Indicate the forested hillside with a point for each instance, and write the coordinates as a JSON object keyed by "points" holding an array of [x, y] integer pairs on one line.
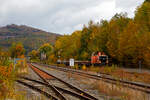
{"points": [[123, 39], [30, 37]]}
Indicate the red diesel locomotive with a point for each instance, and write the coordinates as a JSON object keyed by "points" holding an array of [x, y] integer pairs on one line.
{"points": [[99, 58]]}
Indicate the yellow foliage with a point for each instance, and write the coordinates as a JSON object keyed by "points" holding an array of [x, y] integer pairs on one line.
{"points": [[17, 50], [52, 58], [83, 67]]}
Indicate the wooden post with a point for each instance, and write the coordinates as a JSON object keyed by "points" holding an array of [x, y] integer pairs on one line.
{"points": [[140, 65]]}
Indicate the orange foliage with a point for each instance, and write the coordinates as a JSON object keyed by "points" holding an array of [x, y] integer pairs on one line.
{"points": [[17, 50], [6, 71]]}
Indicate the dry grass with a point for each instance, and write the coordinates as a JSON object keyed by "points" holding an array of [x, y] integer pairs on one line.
{"points": [[116, 90], [120, 91], [109, 91], [117, 72]]}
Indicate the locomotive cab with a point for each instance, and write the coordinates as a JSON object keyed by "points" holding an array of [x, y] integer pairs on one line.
{"points": [[99, 58], [103, 59]]}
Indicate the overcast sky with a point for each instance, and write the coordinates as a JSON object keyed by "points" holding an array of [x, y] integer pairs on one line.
{"points": [[62, 16]]}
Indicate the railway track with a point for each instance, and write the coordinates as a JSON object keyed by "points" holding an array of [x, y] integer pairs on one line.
{"points": [[48, 95], [64, 84], [107, 78], [68, 92], [43, 76]]}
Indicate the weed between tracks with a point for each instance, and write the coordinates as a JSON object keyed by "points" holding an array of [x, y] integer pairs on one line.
{"points": [[110, 91], [117, 72], [120, 91]]}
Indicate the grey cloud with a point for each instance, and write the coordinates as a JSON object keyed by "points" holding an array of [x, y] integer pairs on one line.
{"points": [[128, 4], [60, 16]]}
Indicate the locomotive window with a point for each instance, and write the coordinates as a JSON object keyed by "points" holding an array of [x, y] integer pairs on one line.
{"points": [[102, 57]]}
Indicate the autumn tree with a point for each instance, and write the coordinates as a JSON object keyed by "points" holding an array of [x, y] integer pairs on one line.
{"points": [[147, 1], [116, 26], [75, 44], [88, 41], [34, 55], [46, 49], [134, 43], [4, 56], [17, 50], [67, 46], [101, 37], [61, 46], [85, 38], [142, 16]]}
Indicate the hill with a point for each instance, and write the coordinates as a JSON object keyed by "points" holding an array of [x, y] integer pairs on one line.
{"points": [[30, 37]]}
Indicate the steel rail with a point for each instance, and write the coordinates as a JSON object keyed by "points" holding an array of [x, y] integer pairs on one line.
{"points": [[60, 95], [105, 76], [69, 85], [59, 88], [37, 89]]}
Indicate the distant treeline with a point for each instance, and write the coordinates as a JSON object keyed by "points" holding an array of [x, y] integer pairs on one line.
{"points": [[122, 38]]}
